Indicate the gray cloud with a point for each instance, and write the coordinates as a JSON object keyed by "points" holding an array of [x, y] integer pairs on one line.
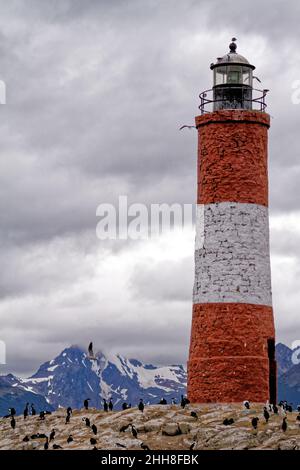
{"points": [[96, 94]]}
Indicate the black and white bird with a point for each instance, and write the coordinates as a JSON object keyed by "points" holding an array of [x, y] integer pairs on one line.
{"points": [[254, 422], [94, 429], [110, 405], [141, 405], [46, 445], [91, 351], [284, 424], [120, 445], [144, 446], [228, 421], [266, 415], [68, 417], [194, 414], [187, 127], [134, 431], [93, 441], [26, 411], [70, 439], [56, 446], [247, 404], [86, 403], [12, 411], [52, 435], [275, 409], [13, 422], [124, 428], [192, 446], [105, 405], [33, 411], [26, 439]]}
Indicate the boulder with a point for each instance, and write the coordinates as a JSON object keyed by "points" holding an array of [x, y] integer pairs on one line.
{"points": [[170, 429]]}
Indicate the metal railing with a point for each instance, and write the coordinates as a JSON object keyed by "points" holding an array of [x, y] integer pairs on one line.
{"points": [[257, 102]]}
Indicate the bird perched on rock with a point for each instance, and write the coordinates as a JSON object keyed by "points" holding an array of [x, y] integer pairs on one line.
{"points": [[124, 406], [94, 429], [144, 446], [192, 446], [141, 405], [42, 415], [93, 441], [46, 445], [87, 422], [33, 411], [26, 411], [110, 405], [275, 409], [124, 428], [68, 417], [247, 404], [120, 445], [26, 439], [69, 410], [70, 439], [56, 446], [13, 422], [105, 405], [86, 403], [52, 435], [162, 401], [194, 414], [134, 431], [254, 422], [12, 411], [298, 417], [228, 421], [284, 424], [266, 415]]}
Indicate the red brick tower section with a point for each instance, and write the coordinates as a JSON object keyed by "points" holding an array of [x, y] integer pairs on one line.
{"points": [[232, 337]]}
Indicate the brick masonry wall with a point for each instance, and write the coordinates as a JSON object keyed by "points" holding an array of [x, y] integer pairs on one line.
{"points": [[228, 352], [232, 312], [233, 264], [232, 157]]}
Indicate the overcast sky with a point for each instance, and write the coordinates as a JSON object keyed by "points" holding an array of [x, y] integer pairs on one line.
{"points": [[96, 93]]}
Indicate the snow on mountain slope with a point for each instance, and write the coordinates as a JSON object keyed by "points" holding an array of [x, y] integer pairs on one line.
{"points": [[71, 377]]}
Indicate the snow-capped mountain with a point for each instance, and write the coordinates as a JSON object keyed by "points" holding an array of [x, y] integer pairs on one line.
{"points": [[13, 394], [72, 376]]}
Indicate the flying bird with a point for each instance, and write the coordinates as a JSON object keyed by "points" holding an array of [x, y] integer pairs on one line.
{"points": [[188, 127], [91, 351]]}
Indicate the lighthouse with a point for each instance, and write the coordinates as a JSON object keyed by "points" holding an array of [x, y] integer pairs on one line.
{"points": [[232, 346]]}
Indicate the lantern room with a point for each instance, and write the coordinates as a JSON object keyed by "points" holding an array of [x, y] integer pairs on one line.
{"points": [[232, 88]]}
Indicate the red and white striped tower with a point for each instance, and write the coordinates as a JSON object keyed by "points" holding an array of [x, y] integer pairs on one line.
{"points": [[232, 337]]}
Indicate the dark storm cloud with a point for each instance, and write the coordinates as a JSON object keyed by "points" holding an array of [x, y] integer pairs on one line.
{"points": [[96, 93]]}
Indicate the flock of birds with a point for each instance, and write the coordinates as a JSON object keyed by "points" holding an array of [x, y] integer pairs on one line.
{"points": [[281, 409]]}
